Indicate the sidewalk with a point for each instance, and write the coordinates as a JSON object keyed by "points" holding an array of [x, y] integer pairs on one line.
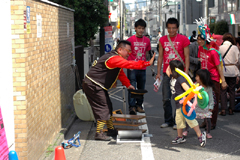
{"points": [[72, 153]]}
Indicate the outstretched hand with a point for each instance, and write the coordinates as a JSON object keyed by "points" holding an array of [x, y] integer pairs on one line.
{"points": [[131, 87], [152, 59]]}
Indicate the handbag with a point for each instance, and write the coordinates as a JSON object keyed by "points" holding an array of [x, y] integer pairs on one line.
{"points": [[175, 50]]}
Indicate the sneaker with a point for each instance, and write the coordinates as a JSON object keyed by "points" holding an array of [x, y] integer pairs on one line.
{"points": [[185, 133], [209, 136], [179, 140], [164, 125], [132, 111], [174, 127], [112, 132], [202, 139], [101, 136], [140, 109]]}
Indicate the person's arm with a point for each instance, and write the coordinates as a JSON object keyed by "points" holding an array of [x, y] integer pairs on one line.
{"points": [[160, 60], [168, 71], [123, 78], [185, 86], [120, 62], [192, 51], [211, 102], [186, 54], [220, 71], [148, 55]]}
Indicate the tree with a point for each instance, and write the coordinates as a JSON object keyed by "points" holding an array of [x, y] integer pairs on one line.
{"points": [[221, 27], [89, 15], [212, 27]]}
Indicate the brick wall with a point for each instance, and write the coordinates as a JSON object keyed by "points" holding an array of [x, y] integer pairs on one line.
{"points": [[43, 80]]}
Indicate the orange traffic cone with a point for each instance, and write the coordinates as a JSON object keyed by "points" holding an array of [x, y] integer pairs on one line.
{"points": [[59, 153]]}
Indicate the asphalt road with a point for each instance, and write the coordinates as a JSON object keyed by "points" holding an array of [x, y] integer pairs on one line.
{"points": [[224, 145]]}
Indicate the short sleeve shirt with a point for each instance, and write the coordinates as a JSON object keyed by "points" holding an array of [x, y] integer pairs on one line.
{"points": [[210, 61], [179, 43], [139, 48], [176, 88]]}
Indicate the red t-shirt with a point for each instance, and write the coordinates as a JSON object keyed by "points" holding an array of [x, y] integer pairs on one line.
{"points": [[139, 47], [210, 61], [179, 43]]}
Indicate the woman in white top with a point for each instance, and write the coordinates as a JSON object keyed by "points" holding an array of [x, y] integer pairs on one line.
{"points": [[230, 71]]}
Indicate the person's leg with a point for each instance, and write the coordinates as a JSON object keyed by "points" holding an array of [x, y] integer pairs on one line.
{"points": [[181, 123], [231, 85], [131, 74], [97, 99], [166, 95], [208, 122], [141, 81], [216, 90], [223, 95], [111, 130], [186, 130]]}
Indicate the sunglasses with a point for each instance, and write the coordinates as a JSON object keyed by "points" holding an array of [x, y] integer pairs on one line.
{"points": [[129, 51]]}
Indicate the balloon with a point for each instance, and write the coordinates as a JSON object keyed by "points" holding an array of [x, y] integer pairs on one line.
{"points": [[192, 116], [201, 97], [202, 103]]}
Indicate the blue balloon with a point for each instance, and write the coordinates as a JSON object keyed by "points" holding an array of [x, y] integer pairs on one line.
{"points": [[192, 116], [13, 155]]}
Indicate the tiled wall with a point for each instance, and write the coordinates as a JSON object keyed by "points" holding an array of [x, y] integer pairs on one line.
{"points": [[43, 79]]}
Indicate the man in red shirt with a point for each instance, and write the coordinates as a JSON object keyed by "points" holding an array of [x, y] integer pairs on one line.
{"points": [[140, 46], [101, 77], [166, 54]]}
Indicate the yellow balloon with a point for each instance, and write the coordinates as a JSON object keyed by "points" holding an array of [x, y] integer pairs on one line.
{"points": [[185, 76], [183, 94], [193, 86]]}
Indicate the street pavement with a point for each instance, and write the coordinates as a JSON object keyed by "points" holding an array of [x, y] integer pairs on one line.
{"points": [[224, 145]]}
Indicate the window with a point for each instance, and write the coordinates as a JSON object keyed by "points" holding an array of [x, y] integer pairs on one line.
{"points": [[224, 3], [220, 6], [234, 5], [229, 5]]}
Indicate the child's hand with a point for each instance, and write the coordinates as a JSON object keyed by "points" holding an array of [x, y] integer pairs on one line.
{"points": [[168, 71], [152, 59]]}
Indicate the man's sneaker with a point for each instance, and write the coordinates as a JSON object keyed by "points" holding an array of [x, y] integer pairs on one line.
{"points": [[202, 139], [164, 125], [132, 111], [112, 132], [179, 140], [140, 109], [101, 136], [174, 127]]}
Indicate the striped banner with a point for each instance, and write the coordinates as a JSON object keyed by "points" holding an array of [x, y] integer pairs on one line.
{"points": [[232, 19]]}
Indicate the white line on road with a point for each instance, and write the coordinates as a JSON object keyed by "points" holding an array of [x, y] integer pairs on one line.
{"points": [[146, 146]]}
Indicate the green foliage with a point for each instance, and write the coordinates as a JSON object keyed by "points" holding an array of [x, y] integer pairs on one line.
{"points": [[221, 27], [212, 27], [89, 15]]}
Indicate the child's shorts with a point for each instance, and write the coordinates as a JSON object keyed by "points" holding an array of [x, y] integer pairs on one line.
{"points": [[181, 120]]}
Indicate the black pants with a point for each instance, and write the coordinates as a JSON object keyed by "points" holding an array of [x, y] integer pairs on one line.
{"points": [[231, 82], [99, 100]]}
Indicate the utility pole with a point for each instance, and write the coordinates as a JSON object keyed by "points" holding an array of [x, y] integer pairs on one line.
{"points": [[102, 34], [121, 20]]}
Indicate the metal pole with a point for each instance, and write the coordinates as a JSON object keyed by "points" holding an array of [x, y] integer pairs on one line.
{"points": [[102, 35], [121, 19]]}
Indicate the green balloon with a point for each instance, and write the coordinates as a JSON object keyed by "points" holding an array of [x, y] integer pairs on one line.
{"points": [[203, 103]]}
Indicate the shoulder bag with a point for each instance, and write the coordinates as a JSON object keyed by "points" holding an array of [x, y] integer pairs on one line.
{"points": [[175, 50]]}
